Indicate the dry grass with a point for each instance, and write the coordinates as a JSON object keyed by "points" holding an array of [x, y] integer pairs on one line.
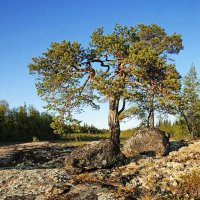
{"points": [[77, 139]]}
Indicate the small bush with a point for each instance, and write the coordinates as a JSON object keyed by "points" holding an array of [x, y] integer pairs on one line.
{"points": [[35, 139], [190, 185]]}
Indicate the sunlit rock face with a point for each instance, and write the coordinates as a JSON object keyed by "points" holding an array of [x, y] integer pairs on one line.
{"points": [[149, 141]]}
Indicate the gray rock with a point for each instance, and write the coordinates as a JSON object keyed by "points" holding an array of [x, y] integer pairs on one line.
{"points": [[86, 192], [150, 141], [98, 154]]}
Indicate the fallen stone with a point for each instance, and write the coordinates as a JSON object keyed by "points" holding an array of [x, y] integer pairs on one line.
{"points": [[98, 154], [149, 141]]}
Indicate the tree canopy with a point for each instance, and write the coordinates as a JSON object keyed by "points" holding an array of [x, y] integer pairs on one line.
{"points": [[115, 66]]}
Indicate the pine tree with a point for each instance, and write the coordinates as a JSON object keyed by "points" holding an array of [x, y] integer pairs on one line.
{"points": [[189, 106], [71, 77], [159, 80]]}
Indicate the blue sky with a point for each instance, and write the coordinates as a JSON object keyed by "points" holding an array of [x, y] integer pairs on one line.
{"points": [[27, 27]]}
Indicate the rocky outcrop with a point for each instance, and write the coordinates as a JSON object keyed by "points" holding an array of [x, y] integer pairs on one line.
{"points": [[98, 154], [175, 176], [31, 184], [149, 141]]}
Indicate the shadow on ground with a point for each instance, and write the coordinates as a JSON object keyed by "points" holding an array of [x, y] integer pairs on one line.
{"points": [[36, 157]]}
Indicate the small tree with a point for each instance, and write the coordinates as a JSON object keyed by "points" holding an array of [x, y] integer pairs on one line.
{"points": [[4, 112], [189, 105], [160, 89], [71, 77], [159, 80]]}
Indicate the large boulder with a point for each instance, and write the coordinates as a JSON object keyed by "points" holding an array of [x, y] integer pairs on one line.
{"points": [[150, 141], [98, 154]]}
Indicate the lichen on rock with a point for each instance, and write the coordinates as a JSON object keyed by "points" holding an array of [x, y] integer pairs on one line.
{"points": [[150, 141], [98, 154]]}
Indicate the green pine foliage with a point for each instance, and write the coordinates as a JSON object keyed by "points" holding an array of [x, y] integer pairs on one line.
{"points": [[177, 129], [28, 124], [24, 123], [129, 61], [189, 104], [159, 79]]}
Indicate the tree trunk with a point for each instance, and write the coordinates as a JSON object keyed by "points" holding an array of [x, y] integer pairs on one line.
{"points": [[113, 120], [150, 120]]}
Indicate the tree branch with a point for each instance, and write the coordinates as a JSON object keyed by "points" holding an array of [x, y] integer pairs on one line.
{"points": [[83, 86], [123, 106], [88, 69], [102, 64], [135, 83]]}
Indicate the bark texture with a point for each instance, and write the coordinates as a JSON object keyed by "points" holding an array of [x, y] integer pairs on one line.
{"points": [[150, 122], [113, 120]]}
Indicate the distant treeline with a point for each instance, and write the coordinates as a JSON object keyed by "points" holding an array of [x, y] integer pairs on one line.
{"points": [[178, 129], [85, 128], [26, 123]]}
